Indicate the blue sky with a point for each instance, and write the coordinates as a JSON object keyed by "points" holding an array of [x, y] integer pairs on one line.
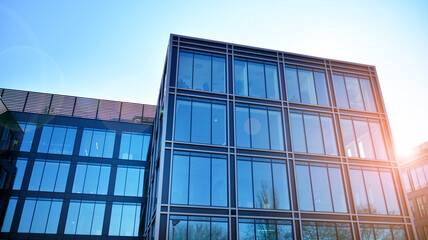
{"points": [[116, 49]]}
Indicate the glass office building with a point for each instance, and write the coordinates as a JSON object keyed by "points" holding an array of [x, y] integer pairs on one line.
{"points": [[244, 143], [414, 173], [252, 143]]}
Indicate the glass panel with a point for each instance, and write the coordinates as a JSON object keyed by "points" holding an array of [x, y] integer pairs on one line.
{"points": [[69, 141], [259, 129], [359, 192], [265, 230], [97, 145], [54, 214], [97, 222], [245, 184], [135, 150], [363, 139], [8, 217], [71, 223], [128, 217], [326, 231], [337, 192], [180, 180], [61, 181], [307, 87], [354, 93], [185, 70], [27, 216], [399, 233], [366, 232], [383, 233], [40, 216], [109, 144], [340, 90], [321, 189], [86, 142], [246, 231], [241, 84], [36, 176], [329, 136], [219, 182], [379, 142], [309, 232], [91, 181], [125, 143], [146, 146], [275, 130], [280, 183], [119, 187], [263, 191], [85, 218], [313, 136], [182, 121], [304, 188], [292, 85], [45, 139], [141, 183], [390, 194], [218, 124], [415, 179], [177, 229], [79, 179], [132, 180], [375, 193], [199, 185], [297, 132], [242, 127], [137, 221], [219, 74], [219, 231], [421, 177], [272, 88], [348, 138], [199, 230], [49, 177], [201, 122], [406, 181], [104, 180], [285, 232], [20, 170], [321, 88], [256, 80], [202, 72], [343, 231], [115, 219], [368, 95], [27, 140], [57, 141]]}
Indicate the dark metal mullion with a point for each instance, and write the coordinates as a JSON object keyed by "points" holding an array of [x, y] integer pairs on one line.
{"points": [[121, 215], [188, 181], [264, 76], [90, 143], [252, 183], [56, 177], [43, 173], [191, 120], [104, 142], [212, 73], [249, 126], [248, 79], [211, 181], [130, 144], [211, 123], [193, 70]]}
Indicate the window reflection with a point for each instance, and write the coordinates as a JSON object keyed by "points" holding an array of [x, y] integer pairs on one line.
{"points": [[199, 179], [125, 219], [85, 218], [256, 79], [306, 86], [49, 176], [10, 212], [202, 71], [264, 229], [258, 127], [29, 130], [326, 230], [354, 92], [369, 231], [129, 181], [262, 183], [57, 139], [21, 165], [40, 216], [97, 143], [134, 146], [195, 228], [91, 179]]}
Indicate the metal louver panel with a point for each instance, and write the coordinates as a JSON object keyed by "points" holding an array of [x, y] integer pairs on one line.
{"points": [[62, 105], [109, 110], [131, 112], [38, 103], [14, 99], [86, 108]]}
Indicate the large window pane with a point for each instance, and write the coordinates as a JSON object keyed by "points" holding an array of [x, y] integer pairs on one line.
{"points": [[321, 190], [390, 193], [292, 85], [189, 227], [378, 141], [340, 90], [85, 218], [242, 124], [97, 143], [256, 80], [307, 87], [272, 88], [259, 129], [219, 75], [182, 121], [337, 191], [329, 136], [245, 184], [363, 139], [263, 191], [199, 190], [349, 138], [202, 72], [185, 69], [91, 179], [8, 217], [368, 95], [298, 132], [29, 129], [180, 179], [218, 124], [314, 137], [219, 182], [275, 130], [21, 165], [354, 93], [264, 229], [49, 176], [280, 182], [45, 139], [57, 140], [358, 190], [321, 89], [123, 219], [241, 72], [40, 216], [201, 122], [304, 188]]}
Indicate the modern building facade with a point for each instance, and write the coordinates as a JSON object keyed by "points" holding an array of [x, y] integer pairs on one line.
{"points": [[245, 143], [414, 172], [79, 170]]}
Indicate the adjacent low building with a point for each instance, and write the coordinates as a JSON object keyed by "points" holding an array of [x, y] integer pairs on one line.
{"points": [[414, 172], [244, 143]]}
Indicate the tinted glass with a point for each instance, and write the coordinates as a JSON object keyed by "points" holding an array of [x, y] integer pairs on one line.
{"points": [[307, 87], [241, 72], [321, 89], [20, 170], [8, 217], [57, 141], [256, 80], [340, 90], [354, 93], [271, 74], [180, 179], [69, 141], [218, 124], [29, 130], [321, 189], [263, 191], [359, 192], [363, 139], [348, 138], [379, 142], [202, 72], [390, 194], [185, 70], [45, 139], [368, 95], [337, 192], [314, 138], [259, 129], [219, 182], [219, 75], [374, 192], [329, 136], [298, 132], [245, 184], [242, 127], [182, 121], [201, 122], [199, 184], [275, 130], [280, 183], [304, 188], [292, 85]]}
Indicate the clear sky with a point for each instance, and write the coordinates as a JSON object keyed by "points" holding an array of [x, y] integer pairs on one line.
{"points": [[116, 49]]}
